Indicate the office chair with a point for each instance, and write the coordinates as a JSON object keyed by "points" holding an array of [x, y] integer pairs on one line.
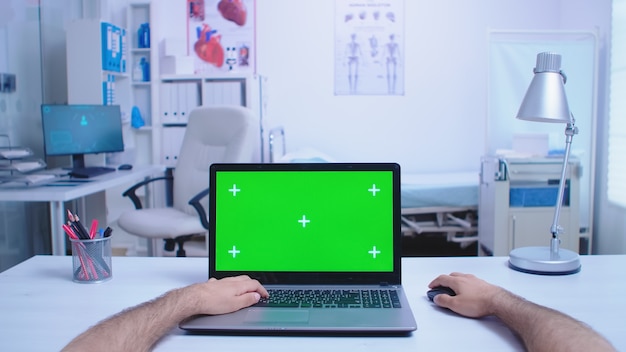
{"points": [[227, 134]]}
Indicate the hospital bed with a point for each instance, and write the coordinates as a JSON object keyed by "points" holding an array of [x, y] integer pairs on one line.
{"points": [[445, 203], [442, 203]]}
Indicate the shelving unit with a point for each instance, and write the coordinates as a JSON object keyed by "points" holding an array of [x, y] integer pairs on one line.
{"points": [[142, 88], [97, 64], [517, 202], [18, 168]]}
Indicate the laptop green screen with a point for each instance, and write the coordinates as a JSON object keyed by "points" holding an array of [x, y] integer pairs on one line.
{"points": [[304, 221]]}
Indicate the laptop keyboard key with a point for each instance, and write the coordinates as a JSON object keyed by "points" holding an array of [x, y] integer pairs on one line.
{"points": [[331, 299]]}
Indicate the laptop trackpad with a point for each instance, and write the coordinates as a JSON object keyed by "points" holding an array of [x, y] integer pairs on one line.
{"points": [[280, 315]]}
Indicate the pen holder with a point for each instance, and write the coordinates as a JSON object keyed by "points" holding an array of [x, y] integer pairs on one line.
{"points": [[91, 260]]}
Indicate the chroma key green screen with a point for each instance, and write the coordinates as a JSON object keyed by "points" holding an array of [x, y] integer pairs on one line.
{"points": [[334, 221]]}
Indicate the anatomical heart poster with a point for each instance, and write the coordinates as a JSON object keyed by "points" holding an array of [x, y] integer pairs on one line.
{"points": [[369, 47], [221, 36]]}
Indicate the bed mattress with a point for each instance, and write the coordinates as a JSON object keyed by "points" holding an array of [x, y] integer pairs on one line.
{"points": [[455, 189], [440, 190]]}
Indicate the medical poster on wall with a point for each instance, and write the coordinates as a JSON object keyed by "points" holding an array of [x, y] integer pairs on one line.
{"points": [[221, 36], [369, 47]]}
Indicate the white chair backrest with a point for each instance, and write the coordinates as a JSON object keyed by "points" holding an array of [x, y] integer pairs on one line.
{"points": [[214, 134]]}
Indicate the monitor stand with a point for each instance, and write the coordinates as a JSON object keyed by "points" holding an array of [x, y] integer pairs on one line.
{"points": [[78, 161], [79, 170]]}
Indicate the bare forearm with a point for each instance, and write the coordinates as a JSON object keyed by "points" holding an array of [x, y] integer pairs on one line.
{"points": [[138, 328], [544, 329]]}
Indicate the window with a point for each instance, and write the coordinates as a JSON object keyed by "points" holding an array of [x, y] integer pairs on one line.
{"points": [[616, 188]]}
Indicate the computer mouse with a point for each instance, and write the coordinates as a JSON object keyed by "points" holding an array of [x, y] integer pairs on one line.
{"points": [[439, 290], [125, 167]]}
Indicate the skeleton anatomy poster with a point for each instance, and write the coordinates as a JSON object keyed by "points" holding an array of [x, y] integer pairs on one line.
{"points": [[221, 35], [369, 40]]}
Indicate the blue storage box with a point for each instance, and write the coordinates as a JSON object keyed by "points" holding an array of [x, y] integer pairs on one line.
{"points": [[537, 195]]}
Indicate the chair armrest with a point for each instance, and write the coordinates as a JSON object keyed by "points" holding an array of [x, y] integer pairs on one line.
{"points": [[195, 203], [130, 193]]}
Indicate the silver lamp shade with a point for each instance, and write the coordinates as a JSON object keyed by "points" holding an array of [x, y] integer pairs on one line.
{"points": [[545, 99]]}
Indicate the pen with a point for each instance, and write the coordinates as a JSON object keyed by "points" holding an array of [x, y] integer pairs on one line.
{"points": [[79, 229], [70, 217], [107, 232], [69, 232], [93, 228], [86, 267], [76, 231], [83, 266]]}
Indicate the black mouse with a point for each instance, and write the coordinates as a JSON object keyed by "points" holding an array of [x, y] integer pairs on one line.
{"points": [[125, 167], [439, 290]]}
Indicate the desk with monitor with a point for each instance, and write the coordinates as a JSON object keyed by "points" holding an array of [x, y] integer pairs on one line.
{"points": [[56, 193], [43, 309]]}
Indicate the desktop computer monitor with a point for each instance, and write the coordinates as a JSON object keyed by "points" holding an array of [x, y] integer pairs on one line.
{"points": [[77, 130]]}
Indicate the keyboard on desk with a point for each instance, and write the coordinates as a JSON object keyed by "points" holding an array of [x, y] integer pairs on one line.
{"points": [[353, 298], [90, 171]]}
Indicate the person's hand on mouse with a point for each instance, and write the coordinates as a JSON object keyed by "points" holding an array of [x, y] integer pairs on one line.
{"points": [[540, 328], [474, 297]]}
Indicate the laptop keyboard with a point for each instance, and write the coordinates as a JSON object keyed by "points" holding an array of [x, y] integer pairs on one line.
{"points": [[378, 298]]}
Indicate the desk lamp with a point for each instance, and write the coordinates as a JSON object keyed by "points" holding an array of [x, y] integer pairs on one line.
{"points": [[545, 101]]}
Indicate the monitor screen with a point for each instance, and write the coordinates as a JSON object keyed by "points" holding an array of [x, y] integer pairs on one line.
{"points": [[77, 130], [282, 204]]}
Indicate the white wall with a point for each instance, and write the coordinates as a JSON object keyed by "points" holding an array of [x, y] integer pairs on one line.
{"points": [[439, 125]]}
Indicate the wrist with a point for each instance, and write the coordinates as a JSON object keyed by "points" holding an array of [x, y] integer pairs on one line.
{"points": [[499, 300], [186, 300]]}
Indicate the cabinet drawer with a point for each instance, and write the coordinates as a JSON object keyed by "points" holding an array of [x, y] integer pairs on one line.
{"points": [[539, 171]]}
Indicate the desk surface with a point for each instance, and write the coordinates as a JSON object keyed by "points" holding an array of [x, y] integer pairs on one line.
{"points": [[70, 189], [76, 188], [42, 309]]}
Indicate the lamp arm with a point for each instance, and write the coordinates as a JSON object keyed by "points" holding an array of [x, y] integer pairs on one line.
{"points": [[556, 229]]}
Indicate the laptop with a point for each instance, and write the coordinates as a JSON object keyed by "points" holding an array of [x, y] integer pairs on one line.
{"points": [[305, 230]]}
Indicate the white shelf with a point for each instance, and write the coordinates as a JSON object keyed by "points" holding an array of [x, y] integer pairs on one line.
{"points": [[144, 129], [216, 76], [140, 50], [12, 153]]}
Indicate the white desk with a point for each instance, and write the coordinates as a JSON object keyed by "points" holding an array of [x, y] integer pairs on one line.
{"points": [[42, 309], [57, 195]]}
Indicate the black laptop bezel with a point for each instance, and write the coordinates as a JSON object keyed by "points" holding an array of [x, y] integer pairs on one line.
{"points": [[317, 278]]}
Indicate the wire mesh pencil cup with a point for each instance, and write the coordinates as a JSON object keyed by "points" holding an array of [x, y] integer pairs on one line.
{"points": [[91, 260]]}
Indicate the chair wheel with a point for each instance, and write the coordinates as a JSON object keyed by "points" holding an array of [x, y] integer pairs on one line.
{"points": [[170, 245]]}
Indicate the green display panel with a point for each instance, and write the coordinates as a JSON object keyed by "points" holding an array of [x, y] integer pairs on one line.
{"points": [[310, 221]]}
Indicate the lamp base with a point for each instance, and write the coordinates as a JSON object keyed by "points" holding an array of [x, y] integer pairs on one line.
{"points": [[541, 261]]}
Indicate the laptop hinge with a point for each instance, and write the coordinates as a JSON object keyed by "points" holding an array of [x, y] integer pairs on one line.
{"points": [[384, 284]]}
